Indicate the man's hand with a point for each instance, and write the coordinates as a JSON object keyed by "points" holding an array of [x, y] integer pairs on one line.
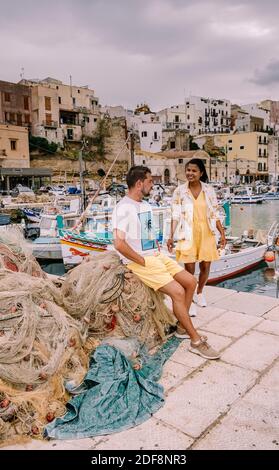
{"points": [[170, 244]]}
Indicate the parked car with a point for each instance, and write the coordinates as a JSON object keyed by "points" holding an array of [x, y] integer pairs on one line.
{"points": [[20, 190]]}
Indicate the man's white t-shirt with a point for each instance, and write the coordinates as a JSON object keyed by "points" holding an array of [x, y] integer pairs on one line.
{"points": [[136, 220]]}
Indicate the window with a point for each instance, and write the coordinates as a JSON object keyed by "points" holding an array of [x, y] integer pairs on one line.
{"points": [[27, 118], [70, 134], [48, 103], [95, 119], [172, 144], [78, 91], [180, 160], [7, 97], [59, 99], [19, 119], [48, 119], [188, 116], [230, 141], [144, 134], [12, 117], [230, 148], [26, 103], [241, 147], [260, 152], [45, 133], [74, 101], [176, 118], [57, 87], [155, 135], [13, 144], [264, 152], [264, 167], [259, 166], [143, 162]]}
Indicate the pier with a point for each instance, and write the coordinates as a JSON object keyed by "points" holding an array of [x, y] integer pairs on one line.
{"points": [[231, 403]]}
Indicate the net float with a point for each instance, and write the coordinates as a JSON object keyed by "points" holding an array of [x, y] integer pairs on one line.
{"points": [[4, 403], [115, 308], [29, 388], [269, 256], [137, 318], [50, 416]]}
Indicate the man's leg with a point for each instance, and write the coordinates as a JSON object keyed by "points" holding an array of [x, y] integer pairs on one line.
{"points": [[180, 308], [189, 283]]}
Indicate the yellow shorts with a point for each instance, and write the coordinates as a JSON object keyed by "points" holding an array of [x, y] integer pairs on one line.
{"points": [[158, 271]]}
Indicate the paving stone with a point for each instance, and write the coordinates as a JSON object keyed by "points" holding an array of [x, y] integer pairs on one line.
{"points": [[251, 424], [252, 304], [255, 350], [70, 444], [173, 373], [232, 324], [151, 435], [268, 326], [273, 314], [206, 314], [214, 294], [200, 400], [271, 379], [185, 357]]}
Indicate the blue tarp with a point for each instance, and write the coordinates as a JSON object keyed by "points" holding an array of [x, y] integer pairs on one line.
{"points": [[113, 395]]}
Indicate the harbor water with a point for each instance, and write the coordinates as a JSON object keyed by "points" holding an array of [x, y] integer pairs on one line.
{"points": [[254, 216], [243, 217]]}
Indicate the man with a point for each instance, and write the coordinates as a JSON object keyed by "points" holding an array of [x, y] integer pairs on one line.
{"points": [[136, 245]]}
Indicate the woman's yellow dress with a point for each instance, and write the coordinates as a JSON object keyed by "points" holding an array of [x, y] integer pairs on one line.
{"points": [[204, 246]]}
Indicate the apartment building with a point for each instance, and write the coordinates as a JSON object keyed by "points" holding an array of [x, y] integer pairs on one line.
{"points": [[246, 154], [198, 116], [15, 104], [62, 112], [14, 147]]}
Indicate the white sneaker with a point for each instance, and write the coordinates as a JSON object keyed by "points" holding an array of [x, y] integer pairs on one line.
{"points": [[193, 310], [200, 300]]}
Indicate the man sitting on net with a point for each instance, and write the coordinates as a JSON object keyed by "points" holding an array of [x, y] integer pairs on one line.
{"points": [[136, 245]]}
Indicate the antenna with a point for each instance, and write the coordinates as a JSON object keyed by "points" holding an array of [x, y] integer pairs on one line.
{"points": [[22, 73], [71, 85]]}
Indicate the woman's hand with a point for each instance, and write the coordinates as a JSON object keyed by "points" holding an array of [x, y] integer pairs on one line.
{"points": [[170, 244], [223, 241]]}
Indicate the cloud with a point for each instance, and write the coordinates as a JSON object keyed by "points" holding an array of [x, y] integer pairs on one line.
{"points": [[267, 76], [153, 50]]}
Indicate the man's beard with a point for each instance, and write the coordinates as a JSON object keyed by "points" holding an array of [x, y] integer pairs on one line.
{"points": [[145, 193]]}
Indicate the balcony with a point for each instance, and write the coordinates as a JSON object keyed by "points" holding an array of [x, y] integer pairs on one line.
{"points": [[50, 124]]}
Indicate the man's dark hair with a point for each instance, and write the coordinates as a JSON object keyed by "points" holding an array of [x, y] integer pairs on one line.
{"points": [[136, 173]]}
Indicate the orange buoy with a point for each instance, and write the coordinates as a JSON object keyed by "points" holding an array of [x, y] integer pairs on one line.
{"points": [[269, 256]]}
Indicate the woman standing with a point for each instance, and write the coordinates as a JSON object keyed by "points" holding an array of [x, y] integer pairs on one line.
{"points": [[195, 213]]}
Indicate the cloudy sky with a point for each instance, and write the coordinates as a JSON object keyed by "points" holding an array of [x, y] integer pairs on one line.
{"points": [[157, 51]]}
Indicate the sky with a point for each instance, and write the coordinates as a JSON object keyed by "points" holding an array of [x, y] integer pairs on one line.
{"points": [[152, 51]]}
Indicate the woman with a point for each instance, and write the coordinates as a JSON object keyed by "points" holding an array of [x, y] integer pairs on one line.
{"points": [[195, 213]]}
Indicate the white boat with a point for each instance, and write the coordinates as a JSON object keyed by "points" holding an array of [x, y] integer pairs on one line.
{"points": [[246, 196], [241, 259]]}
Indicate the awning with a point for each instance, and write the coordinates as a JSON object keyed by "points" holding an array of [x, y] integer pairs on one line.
{"points": [[26, 172]]}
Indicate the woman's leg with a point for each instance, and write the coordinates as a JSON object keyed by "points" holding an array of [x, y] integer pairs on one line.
{"points": [[203, 277], [190, 267]]}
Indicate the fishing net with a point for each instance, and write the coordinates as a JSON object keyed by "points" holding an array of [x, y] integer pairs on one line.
{"points": [[110, 299], [47, 332], [16, 254]]}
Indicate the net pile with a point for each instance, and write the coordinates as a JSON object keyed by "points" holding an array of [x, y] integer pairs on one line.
{"points": [[103, 293], [16, 254], [47, 332]]}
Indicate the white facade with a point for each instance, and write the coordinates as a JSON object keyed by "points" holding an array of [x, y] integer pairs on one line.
{"points": [[257, 111], [150, 135], [198, 115], [273, 158]]}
